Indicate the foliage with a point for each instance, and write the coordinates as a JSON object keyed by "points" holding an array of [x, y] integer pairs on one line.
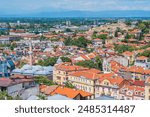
{"points": [[65, 59], [69, 85], [144, 26], [13, 45], [146, 46], [87, 63], [42, 38], [68, 30], [99, 63], [140, 37], [21, 64], [42, 97], [123, 48], [80, 42], [91, 64], [3, 32], [128, 23], [4, 45], [89, 50], [4, 96], [116, 33], [102, 36], [47, 62], [44, 80], [145, 53], [128, 36]]}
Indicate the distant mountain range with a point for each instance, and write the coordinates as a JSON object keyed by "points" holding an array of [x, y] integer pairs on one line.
{"points": [[81, 14]]}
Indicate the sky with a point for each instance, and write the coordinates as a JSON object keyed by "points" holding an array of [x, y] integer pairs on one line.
{"points": [[29, 6]]}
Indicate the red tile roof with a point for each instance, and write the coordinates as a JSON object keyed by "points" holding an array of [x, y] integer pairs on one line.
{"points": [[70, 93]]}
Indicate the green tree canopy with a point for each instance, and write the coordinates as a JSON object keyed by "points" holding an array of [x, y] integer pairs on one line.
{"points": [[47, 62], [65, 59], [80, 42], [44, 80], [123, 48]]}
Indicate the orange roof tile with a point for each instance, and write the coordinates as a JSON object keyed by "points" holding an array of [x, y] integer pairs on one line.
{"points": [[90, 74], [112, 78], [69, 67], [142, 58], [70, 93], [127, 53]]}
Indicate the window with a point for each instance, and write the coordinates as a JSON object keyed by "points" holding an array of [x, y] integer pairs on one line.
{"points": [[58, 78], [136, 92], [142, 94], [106, 83]]}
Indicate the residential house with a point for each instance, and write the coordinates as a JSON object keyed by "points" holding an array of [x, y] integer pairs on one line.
{"points": [[84, 80], [135, 73], [131, 92], [147, 89], [142, 61], [130, 56], [54, 91], [20, 86], [62, 71], [108, 84]]}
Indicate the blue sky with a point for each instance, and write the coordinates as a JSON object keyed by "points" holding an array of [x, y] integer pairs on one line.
{"points": [[25, 6]]}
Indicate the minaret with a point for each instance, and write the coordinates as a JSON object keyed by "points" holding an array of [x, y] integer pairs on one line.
{"points": [[30, 51]]}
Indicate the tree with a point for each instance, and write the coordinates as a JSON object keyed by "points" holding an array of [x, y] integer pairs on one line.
{"points": [[13, 45], [102, 36], [145, 53], [65, 59], [42, 97], [99, 63], [47, 62], [4, 96], [80, 42], [42, 38], [68, 30], [44, 80], [69, 85], [116, 33], [140, 36], [87, 63], [123, 48], [127, 36]]}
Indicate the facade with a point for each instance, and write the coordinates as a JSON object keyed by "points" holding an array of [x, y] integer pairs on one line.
{"points": [[130, 56], [129, 92], [62, 71], [108, 84], [135, 73], [63, 93], [19, 86], [147, 89], [84, 80], [142, 61], [8, 39]]}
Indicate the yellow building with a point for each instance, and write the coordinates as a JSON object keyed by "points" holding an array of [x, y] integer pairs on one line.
{"points": [[147, 89], [85, 80], [61, 72], [108, 84]]}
